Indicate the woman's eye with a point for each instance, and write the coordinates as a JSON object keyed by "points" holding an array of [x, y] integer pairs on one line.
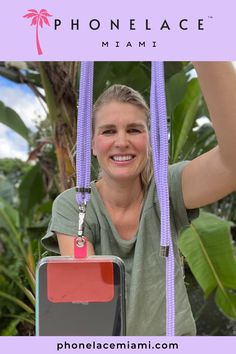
{"points": [[134, 131], [108, 132]]}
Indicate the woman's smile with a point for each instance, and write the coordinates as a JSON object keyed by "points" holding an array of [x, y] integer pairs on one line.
{"points": [[122, 159]]}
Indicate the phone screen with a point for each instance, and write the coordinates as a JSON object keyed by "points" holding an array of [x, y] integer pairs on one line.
{"points": [[95, 314]]}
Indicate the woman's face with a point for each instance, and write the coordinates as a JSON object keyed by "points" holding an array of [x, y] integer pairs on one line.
{"points": [[121, 140]]}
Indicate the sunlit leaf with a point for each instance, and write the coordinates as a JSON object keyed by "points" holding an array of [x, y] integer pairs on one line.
{"points": [[11, 119]]}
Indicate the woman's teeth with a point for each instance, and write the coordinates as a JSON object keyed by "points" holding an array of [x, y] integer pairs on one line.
{"points": [[122, 158]]}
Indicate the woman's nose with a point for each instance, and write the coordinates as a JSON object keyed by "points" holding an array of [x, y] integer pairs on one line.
{"points": [[122, 139]]}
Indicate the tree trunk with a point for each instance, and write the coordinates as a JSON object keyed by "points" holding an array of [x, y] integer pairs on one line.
{"points": [[60, 81]]}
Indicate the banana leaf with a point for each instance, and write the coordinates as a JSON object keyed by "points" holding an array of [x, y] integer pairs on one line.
{"points": [[183, 119], [208, 248], [11, 119]]}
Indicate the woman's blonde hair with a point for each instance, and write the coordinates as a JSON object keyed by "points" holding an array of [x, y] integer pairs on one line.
{"points": [[125, 94]]}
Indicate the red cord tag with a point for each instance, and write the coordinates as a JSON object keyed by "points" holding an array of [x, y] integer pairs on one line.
{"points": [[80, 247]]}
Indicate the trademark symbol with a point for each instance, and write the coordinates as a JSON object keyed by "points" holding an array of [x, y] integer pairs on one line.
{"points": [[210, 16]]}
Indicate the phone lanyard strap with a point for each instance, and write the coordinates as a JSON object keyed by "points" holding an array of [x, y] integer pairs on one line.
{"points": [[83, 153], [159, 140], [84, 133]]}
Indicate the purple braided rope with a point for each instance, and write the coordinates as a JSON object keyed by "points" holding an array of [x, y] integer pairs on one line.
{"points": [[88, 136], [80, 131], [159, 141], [83, 144]]}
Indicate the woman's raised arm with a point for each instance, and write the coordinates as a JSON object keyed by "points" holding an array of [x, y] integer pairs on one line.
{"points": [[212, 175]]}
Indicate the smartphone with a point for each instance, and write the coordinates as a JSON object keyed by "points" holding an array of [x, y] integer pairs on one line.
{"points": [[80, 297]]}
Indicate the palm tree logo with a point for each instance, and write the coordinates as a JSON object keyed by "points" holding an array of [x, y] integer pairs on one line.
{"points": [[38, 19]]}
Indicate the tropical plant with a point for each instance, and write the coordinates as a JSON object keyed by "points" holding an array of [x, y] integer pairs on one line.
{"points": [[38, 19], [207, 246], [59, 81], [19, 277], [20, 230], [209, 238]]}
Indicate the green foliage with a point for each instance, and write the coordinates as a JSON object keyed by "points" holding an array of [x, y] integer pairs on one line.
{"points": [[16, 263], [207, 246], [8, 218], [134, 74], [183, 119], [13, 167], [10, 118], [21, 226], [31, 190], [10, 329], [50, 96], [7, 190], [173, 67], [176, 88]]}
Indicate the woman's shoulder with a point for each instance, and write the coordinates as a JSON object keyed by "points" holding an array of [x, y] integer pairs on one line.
{"points": [[174, 181], [65, 199]]}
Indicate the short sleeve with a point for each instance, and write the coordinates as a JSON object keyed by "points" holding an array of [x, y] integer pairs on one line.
{"points": [[181, 215], [64, 220]]}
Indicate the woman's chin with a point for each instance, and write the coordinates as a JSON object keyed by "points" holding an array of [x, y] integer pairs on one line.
{"points": [[124, 177]]}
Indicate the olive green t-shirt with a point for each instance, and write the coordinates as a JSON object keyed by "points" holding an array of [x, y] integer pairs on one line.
{"points": [[145, 269]]}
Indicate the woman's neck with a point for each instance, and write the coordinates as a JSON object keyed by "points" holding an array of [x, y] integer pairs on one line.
{"points": [[120, 195]]}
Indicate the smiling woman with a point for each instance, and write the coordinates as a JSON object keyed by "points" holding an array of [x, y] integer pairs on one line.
{"points": [[124, 210], [123, 215]]}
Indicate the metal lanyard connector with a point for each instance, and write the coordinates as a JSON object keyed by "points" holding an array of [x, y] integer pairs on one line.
{"points": [[82, 211], [80, 242]]}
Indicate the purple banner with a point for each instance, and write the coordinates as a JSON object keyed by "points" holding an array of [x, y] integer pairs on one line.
{"points": [[122, 30], [66, 345]]}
